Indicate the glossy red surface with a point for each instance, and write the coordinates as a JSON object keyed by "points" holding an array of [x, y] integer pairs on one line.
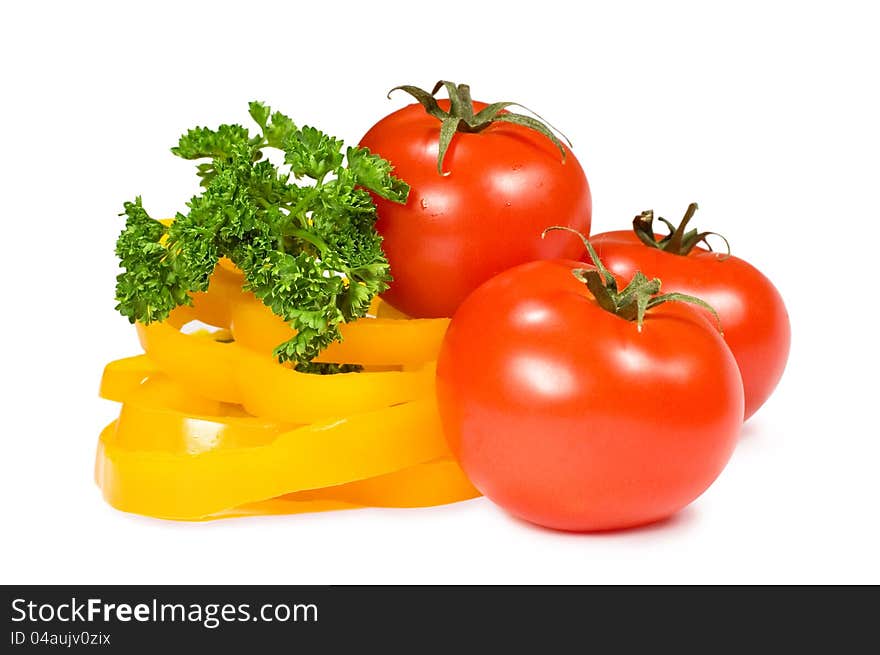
{"points": [[501, 188], [753, 315], [570, 417]]}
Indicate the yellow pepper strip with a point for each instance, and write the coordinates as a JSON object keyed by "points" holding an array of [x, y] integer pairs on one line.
{"points": [[228, 373], [184, 448], [431, 483], [368, 341], [204, 365], [391, 339], [387, 341], [226, 263], [214, 306], [375, 304], [275, 391], [163, 416], [190, 486], [382, 309], [123, 376], [437, 482]]}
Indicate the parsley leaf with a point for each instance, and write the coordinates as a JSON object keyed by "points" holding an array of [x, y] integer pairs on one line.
{"points": [[373, 172], [311, 153], [310, 253]]}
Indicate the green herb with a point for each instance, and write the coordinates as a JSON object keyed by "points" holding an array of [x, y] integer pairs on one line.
{"points": [[309, 252], [327, 368]]}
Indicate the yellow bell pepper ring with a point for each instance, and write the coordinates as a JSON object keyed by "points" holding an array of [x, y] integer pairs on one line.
{"points": [[367, 341], [383, 310], [214, 306], [122, 377], [162, 416], [269, 389], [229, 373], [214, 427], [202, 364], [146, 424], [437, 482], [191, 486]]}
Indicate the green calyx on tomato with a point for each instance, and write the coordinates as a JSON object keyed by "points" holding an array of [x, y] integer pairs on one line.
{"points": [[536, 386], [461, 117], [752, 311], [637, 297], [484, 216], [680, 240]]}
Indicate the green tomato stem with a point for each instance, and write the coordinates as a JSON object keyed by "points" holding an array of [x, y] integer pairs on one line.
{"points": [[461, 117], [636, 298], [680, 240]]}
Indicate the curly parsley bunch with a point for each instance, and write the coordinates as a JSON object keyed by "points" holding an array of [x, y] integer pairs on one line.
{"points": [[310, 252]]}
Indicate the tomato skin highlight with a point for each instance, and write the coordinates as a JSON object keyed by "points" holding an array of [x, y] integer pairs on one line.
{"points": [[567, 416], [502, 187], [753, 315]]}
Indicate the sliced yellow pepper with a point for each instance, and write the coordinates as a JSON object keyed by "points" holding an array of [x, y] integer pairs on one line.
{"points": [[214, 306], [392, 338], [158, 424], [122, 377], [382, 309], [432, 483], [368, 341], [212, 429], [228, 373], [269, 389], [204, 365], [438, 482], [162, 416], [174, 455], [135, 477]]}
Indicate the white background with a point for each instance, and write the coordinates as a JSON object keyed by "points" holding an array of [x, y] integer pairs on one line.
{"points": [[765, 113]]}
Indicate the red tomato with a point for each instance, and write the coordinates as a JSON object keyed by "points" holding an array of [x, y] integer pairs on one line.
{"points": [[502, 187], [753, 316], [568, 416]]}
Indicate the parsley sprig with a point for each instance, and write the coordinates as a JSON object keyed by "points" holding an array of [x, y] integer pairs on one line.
{"points": [[310, 251]]}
